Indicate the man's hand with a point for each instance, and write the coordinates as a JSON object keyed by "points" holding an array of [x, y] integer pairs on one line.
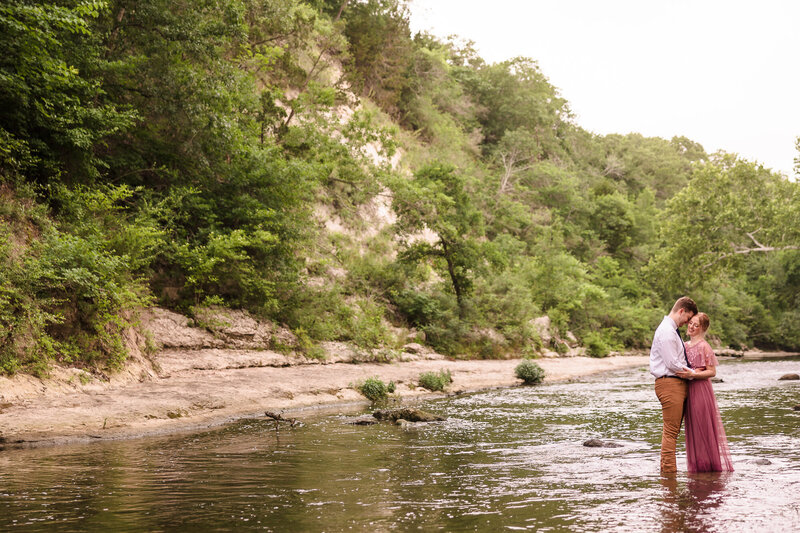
{"points": [[686, 373]]}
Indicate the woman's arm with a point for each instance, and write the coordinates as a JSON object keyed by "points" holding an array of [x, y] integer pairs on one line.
{"points": [[706, 373]]}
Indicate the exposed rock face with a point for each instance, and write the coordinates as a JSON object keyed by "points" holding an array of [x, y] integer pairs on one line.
{"points": [[789, 377], [413, 347], [490, 334], [236, 327], [409, 414], [542, 327], [216, 328], [171, 330], [555, 346], [572, 340], [416, 336], [597, 443]]}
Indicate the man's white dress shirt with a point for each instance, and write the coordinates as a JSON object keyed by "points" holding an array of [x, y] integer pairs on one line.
{"points": [[667, 354]]}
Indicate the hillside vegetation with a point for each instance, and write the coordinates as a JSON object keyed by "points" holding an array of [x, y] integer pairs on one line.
{"points": [[316, 164]]}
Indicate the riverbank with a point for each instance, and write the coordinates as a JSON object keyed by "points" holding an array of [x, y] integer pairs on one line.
{"points": [[213, 387], [193, 377]]}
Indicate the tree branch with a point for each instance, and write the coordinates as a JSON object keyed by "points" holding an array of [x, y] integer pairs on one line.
{"points": [[761, 248], [752, 238], [341, 10]]}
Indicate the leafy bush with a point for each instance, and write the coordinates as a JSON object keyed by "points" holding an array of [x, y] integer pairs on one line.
{"points": [[596, 345], [374, 389], [367, 328], [418, 307], [529, 372], [435, 381], [321, 312]]}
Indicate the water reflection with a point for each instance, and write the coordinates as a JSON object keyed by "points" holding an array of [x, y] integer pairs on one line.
{"points": [[690, 505]]}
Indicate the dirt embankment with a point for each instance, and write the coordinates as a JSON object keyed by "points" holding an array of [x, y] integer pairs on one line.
{"points": [[230, 369]]}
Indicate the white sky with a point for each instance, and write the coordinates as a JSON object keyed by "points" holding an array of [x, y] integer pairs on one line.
{"points": [[724, 73]]}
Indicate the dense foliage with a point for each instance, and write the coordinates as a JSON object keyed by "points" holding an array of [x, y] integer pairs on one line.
{"points": [[375, 390], [435, 381], [190, 153], [529, 372]]}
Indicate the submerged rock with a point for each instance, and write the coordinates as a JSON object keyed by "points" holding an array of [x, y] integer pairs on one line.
{"points": [[761, 461], [597, 443], [717, 380], [409, 414], [796, 407], [363, 421], [786, 377]]}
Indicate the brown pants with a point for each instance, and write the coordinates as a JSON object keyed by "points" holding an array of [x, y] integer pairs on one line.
{"points": [[671, 393]]}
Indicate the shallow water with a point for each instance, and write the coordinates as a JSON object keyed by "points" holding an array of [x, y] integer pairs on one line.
{"points": [[505, 460]]}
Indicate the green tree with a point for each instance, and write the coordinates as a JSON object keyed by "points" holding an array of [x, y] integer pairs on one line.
{"points": [[730, 211], [53, 114], [516, 94], [381, 49], [437, 200]]}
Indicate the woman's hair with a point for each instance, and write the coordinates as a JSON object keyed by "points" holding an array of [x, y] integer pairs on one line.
{"points": [[703, 319]]}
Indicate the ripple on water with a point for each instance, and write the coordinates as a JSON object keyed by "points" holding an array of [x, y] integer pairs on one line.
{"points": [[505, 459]]}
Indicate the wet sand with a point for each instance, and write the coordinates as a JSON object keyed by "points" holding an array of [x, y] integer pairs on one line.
{"points": [[179, 391]]}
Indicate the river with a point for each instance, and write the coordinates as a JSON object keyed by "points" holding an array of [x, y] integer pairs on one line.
{"points": [[505, 460]]}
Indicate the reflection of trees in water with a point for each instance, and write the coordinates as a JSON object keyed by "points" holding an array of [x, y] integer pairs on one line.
{"points": [[690, 506]]}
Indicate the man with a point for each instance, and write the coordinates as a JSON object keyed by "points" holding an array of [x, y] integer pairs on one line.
{"points": [[669, 365]]}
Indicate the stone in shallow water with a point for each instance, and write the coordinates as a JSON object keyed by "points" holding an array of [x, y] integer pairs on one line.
{"points": [[363, 421], [791, 377], [761, 461], [797, 407], [597, 443], [407, 413]]}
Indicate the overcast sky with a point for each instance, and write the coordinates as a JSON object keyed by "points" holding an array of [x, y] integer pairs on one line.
{"points": [[723, 73]]}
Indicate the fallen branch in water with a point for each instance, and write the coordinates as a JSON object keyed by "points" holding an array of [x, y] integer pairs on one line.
{"points": [[277, 417]]}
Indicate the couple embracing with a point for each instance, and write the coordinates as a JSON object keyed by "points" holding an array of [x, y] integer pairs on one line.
{"points": [[682, 373]]}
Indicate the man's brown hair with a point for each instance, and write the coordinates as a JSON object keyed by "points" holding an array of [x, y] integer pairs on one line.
{"points": [[684, 302]]}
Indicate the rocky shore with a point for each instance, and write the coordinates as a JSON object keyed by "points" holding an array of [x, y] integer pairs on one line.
{"points": [[200, 377]]}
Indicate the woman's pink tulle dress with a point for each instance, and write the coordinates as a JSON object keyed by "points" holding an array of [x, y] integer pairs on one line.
{"points": [[706, 444]]}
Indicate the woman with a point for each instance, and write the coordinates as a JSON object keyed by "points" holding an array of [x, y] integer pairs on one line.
{"points": [[706, 445]]}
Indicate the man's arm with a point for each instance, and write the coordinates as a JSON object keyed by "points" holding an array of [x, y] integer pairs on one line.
{"points": [[672, 353]]}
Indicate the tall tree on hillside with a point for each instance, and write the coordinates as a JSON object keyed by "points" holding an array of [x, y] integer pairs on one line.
{"points": [[381, 49], [437, 201]]}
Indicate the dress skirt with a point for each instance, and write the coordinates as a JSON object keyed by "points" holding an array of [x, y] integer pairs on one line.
{"points": [[706, 443]]}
